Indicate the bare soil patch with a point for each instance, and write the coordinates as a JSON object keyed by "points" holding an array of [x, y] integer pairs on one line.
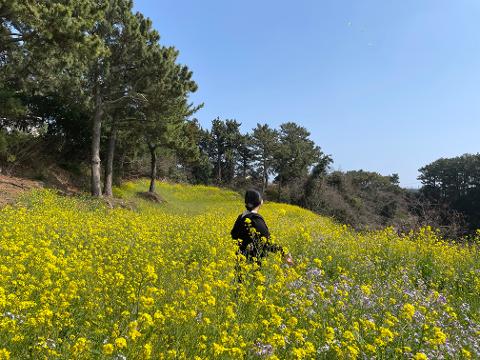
{"points": [[12, 187], [149, 196]]}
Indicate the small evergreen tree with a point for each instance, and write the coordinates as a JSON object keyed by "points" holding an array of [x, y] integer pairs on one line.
{"points": [[295, 155], [265, 142]]}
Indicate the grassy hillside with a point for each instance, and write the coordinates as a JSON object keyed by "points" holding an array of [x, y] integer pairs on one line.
{"points": [[79, 280]]}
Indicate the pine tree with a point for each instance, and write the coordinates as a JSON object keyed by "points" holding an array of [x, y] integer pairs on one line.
{"points": [[245, 156], [218, 137], [167, 108], [233, 140], [108, 77], [265, 143], [296, 154], [45, 47], [134, 57]]}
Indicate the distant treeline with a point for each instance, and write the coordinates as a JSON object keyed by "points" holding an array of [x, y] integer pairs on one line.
{"points": [[454, 184], [289, 167], [88, 86]]}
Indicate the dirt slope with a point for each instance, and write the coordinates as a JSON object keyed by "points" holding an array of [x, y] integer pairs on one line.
{"points": [[12, 187]]}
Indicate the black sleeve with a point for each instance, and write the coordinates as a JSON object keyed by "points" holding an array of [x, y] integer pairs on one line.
{"points": [[236, 229], [275, 248], [260, 225]]}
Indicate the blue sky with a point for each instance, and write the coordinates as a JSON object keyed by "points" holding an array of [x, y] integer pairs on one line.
{"points": [[385, 86]]}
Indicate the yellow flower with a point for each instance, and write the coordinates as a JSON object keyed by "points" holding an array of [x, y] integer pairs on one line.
{"points": [[80, 346], [386, 335], [147, 351], [134, 334], [236, 352], [211, 300], [348, 335], [408, 310], [4, 354], [108, 349], [329, 334], [277, 340], [292, 322], [218, 349], [369, 324], [147, 301], [466, 354], [146, 319], [420, 356], [121, 343], [366, 289], [439, 337], [299, 353], [150, 272]]}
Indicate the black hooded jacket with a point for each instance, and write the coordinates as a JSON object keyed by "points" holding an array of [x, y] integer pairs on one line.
{"points": [[254, 237]]}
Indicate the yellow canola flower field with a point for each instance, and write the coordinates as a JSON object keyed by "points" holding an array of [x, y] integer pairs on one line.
{"points": [[81, 281]]}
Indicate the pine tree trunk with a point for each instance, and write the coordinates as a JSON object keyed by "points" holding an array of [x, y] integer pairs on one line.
{"points": [[245, 169], [264, 178], [96, 187], [153, 167], [219, 168], [265, 184], [280, 191], [121, 165], [109, 166]]}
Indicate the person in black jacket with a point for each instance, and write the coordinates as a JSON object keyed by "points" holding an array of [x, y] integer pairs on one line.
{"points": [[251, 231]]}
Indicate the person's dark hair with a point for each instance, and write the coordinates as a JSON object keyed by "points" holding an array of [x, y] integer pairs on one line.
{"points": [[253, 198]]}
